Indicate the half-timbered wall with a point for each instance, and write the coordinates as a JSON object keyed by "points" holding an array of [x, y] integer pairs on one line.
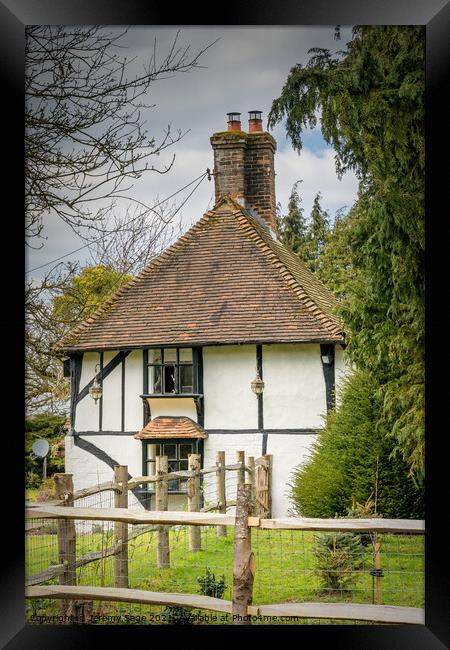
{"points": [[293, 403]]}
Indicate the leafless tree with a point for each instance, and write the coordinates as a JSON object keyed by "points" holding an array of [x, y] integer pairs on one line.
{"points": [[85, 138], [85, 146]]}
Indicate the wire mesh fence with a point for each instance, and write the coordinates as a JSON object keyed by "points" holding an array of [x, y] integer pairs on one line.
{"points": [[292, 566]]}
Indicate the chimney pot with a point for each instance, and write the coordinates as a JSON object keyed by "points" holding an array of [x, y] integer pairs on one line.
{"points": [[234, 121], [254, 121]]}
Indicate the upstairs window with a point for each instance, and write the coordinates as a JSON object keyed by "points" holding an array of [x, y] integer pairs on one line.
{"points": [[171, 371]]}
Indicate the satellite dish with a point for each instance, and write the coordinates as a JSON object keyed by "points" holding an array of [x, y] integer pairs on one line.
{"points": [[40, 448]]}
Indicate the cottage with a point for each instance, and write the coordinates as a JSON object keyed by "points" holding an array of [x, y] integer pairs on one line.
{"points": [[182, 350]]}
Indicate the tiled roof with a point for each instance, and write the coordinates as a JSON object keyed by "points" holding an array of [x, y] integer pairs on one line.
{"points": [[166, 426], [227, 280]]}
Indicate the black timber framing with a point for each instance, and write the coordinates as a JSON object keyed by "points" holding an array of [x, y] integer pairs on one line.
{"points": [[100, 410], [197, 354], [103, 456], [260, 398], [104, 372], [329, 375], [76, 361], [122, 423], [293, 432]]}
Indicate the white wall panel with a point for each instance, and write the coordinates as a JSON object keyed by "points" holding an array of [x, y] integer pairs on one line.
{"points": [[288, 452], [176, 406], [228, 371], [87, 412], [133, 389], [294, 392], [112, 396], [342, 368]]}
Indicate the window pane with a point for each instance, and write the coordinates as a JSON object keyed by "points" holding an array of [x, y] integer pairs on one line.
{"points": [[185, 450], [183, 486], [173, 486], [169, 379], [183, 465], [154, 356], [170, 354], [186, 379], [170, 450], [173, 466], [186, 355], [154, 379], [151, 452]]}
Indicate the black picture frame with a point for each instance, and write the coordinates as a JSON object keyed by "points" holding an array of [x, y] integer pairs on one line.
{"points": [[435, 14]]}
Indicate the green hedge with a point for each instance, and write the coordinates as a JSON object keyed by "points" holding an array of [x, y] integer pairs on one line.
{"points": [[343, 463]]}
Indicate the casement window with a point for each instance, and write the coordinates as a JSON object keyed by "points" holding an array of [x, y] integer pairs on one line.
{"points": [[177, 451], [171, 371]]}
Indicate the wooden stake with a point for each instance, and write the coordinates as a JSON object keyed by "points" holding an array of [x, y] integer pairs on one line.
{"points": [[377, 563], [193, 492], [244, 560], [121, 529], [250, 479], [269, 458], [162, 501], [221, 531], [240, 458], [66, 540]]}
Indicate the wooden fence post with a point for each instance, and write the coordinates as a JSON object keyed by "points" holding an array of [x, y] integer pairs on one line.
{"points": [[240, 458], [162, 501], [377, 564], [244, 560], [66, 540], [121, 529], [193, 493], [250, 479], [221, 531], [269, 458]]}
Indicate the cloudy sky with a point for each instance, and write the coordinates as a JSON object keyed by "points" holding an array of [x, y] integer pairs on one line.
{"points": [[244, 70]]}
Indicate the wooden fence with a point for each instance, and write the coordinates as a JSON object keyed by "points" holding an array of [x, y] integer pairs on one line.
{"points": [[256, 472], [244, 566]]}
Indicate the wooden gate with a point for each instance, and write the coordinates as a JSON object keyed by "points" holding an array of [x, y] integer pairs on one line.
{"points": [[263, 485]]}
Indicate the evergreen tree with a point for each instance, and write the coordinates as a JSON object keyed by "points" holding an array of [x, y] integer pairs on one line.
{"points": [[370, 100], [336, 270], [292, 227], [316, 235]]}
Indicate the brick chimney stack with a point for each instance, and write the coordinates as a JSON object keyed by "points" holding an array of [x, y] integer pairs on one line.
{"points": [[244, 166]]}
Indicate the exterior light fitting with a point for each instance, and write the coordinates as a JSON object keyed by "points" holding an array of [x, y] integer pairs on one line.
{"points": [[326, 358], [257, 384], [96, 390]]}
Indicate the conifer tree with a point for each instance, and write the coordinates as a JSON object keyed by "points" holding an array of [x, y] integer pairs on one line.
{"points": [[370, 98], [292, 227]]}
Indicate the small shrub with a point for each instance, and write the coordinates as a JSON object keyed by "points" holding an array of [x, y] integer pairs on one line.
{"points": [[178, 615], [339, 556], [210, 585]]}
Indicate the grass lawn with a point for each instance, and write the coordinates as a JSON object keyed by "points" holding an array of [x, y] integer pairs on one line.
{"points": [[286, 568]]}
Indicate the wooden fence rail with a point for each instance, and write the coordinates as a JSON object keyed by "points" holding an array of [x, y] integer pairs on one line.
{"points": [[241, 607], [345, 611]]}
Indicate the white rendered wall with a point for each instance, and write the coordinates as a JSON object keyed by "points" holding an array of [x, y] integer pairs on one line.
{"points": [[294, 392], [133, 390], [176, 407], [112, 396], [288, 452], [86, 418], [89, 470], [228, 371]]}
